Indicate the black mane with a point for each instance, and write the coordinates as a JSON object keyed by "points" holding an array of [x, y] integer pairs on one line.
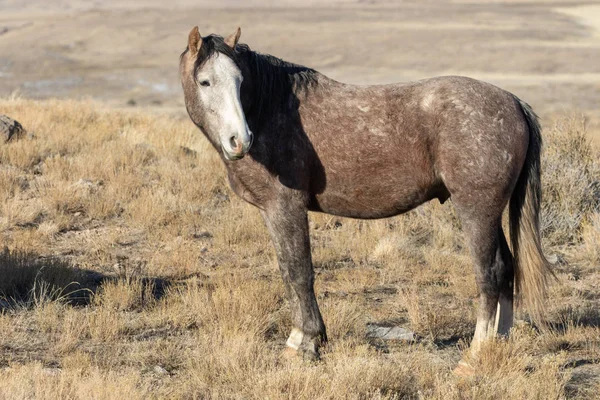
{"points": [[270, 83]]}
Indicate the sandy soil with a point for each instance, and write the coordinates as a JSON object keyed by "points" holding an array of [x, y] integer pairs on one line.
{"points": [[124, 52]]}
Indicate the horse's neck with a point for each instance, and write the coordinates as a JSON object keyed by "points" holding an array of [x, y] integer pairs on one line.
{"points": [[277, 89], [265, 96]]}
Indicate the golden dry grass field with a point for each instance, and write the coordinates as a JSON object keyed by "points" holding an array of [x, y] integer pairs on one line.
{"points": [[131, 270]]}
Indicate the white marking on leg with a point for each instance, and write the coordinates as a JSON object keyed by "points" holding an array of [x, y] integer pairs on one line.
{"points": [[479, 336], [295, 339], [485, 329]]}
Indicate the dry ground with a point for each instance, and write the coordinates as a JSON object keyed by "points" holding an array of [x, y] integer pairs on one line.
{"points": [[131, 270]]}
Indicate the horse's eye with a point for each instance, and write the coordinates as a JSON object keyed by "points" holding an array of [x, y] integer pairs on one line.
{"points": [[205, 83]]}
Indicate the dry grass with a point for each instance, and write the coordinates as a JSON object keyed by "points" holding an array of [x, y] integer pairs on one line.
{"points": [[178, 293], [572, 175]]}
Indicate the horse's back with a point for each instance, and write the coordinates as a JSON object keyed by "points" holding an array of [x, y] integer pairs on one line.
{"points": [[402, 145]]}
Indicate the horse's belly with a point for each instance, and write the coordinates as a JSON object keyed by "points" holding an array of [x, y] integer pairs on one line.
{"points": [[368, 204]]}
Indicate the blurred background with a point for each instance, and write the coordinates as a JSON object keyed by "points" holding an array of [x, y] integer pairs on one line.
{"points": [[125, 53]]}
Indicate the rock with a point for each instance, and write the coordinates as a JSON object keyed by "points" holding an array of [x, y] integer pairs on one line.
{"points": [[10, 129], [51, 371], [160, 370], [556, 259], [222, 197], [573, 276], [389, 333], [186, 151], [119, 268], [202, 235], [86, 185]]}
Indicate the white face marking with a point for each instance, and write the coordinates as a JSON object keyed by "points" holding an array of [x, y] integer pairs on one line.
{"points": [[219, 82], [295, 339]]}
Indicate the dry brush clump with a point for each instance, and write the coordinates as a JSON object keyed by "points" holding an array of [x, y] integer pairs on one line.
{"points": [[178, 294], [571, 174]]}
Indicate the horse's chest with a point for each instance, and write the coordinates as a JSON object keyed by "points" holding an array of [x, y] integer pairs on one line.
{"points": [[250, 188]]}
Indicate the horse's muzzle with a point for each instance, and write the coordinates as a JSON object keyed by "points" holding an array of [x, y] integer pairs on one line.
{"points": [[237, 146]]}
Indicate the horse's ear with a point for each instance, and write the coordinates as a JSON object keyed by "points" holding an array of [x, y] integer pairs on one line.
{"points": [[194, 41], [232, 39]]}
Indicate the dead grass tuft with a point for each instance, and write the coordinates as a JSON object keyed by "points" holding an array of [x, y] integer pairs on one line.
{"points": [[571, 182], [32, 281]]}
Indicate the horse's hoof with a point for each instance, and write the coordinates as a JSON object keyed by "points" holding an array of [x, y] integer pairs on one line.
{"points": [[306, 355], [310, 356], [464, 370]]}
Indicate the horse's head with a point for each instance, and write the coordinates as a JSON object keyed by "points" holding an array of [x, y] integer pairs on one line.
{"points": [[211, 81]]}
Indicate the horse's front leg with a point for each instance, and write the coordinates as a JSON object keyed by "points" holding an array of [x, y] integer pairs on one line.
{"points": [[288, 226]]}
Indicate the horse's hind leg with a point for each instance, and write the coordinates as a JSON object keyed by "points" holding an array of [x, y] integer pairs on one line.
{"points": [[493, 273], [504, 314]]}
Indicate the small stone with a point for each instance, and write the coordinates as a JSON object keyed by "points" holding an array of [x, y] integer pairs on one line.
{"points": [[10, 129], [188, 152], [223, 197], [556, 259], [160, 370], [389, 333], [85, 184], [118, 267], [203, 235], [573, 277], [51, 371]]}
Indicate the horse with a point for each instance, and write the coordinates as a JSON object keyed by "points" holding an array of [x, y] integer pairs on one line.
{"points": [[293, 140]]}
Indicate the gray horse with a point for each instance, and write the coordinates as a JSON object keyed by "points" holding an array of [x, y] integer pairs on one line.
{"points": [[294, 140]]}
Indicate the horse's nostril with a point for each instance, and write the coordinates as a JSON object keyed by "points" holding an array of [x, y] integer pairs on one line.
{"points": [[233, 143]]}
